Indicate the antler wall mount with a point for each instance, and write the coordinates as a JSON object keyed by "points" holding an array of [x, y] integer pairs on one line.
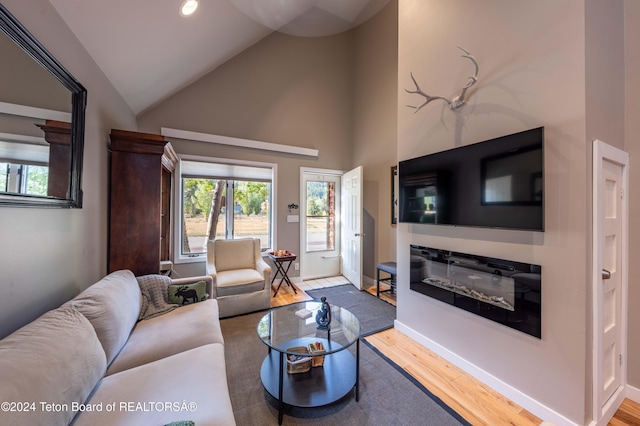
{"points": [[456, 102]]}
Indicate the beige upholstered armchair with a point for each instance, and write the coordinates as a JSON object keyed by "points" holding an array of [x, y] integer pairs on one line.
{"points": [[241, 278]]}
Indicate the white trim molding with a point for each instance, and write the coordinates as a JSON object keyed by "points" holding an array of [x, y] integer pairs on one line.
{"points": [[237, 142], [31, 140], [33, 112], [602, 152]]}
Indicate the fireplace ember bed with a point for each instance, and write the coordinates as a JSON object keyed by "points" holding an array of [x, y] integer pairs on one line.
{"points": [[503, 291]]}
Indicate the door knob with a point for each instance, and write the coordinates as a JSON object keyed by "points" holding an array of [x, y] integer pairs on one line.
{"points": [[606, 274]]}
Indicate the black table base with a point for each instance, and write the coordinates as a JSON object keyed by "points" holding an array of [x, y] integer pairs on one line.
{"points": [[317, 387]]}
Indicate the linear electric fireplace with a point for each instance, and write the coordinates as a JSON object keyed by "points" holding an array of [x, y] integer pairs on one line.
{"points": [[503, 291]]}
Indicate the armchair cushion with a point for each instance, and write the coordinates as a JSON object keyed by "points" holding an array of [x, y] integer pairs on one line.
{"points": [[239, 281], [234, 254]]}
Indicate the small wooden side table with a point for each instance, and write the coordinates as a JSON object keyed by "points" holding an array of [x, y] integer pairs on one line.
{"points": [[283, 263]]}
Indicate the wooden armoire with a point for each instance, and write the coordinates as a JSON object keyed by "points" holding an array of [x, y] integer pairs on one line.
{"points": [[141, 171]]}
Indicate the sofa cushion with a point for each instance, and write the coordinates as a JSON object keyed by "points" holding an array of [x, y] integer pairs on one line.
{"points": [[182, 329], [185, 294], [112, 305], [192, 383], [239, 281], [56, 359], [234, 254]]}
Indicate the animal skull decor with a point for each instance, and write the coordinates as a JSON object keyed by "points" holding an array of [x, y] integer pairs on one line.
{"points": [[456, 102]]}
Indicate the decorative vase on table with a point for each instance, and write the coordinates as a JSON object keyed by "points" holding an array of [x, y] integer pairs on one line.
{"points": [[323, 317]]}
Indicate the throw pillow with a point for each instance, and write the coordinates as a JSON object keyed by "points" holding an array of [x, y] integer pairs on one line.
{"points": [[187, 294]]}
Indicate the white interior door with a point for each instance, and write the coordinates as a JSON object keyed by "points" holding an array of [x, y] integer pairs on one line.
{"points": [[610, 278], [352, 226]]}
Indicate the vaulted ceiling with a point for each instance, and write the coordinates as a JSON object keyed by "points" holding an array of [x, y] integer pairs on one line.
{"points": [[149, 51]]}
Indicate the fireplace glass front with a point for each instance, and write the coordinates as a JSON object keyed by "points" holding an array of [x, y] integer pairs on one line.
{"points": [[500, 290]]}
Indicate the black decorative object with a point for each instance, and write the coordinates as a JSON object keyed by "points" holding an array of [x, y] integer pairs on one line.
{"points": [[323, 317]]}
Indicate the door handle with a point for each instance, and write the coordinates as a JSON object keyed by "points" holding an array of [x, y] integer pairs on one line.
{"points": [[358, 235], [606, 274]]}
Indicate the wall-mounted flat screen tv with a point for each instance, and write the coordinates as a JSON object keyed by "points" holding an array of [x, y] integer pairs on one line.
{"points": [[498, 183]]}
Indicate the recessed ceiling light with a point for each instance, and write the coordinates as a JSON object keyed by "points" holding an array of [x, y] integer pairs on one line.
{"points": [[188, 7]]}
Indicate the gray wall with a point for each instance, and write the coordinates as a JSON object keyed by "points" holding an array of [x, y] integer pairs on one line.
{"points": [[632, 145], [530, 75], [49, 255], [323, 93], [375, 130], [285, 90]]}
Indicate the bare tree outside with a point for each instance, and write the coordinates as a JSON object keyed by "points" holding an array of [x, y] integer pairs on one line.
{"points": [[217, 202]]}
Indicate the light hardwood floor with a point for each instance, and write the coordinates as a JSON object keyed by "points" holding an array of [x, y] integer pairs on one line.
{"points": [[627, 415], [287, 296], [473, 400]]}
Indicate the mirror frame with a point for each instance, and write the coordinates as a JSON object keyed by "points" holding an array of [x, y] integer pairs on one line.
{"points": [[19, 34]]}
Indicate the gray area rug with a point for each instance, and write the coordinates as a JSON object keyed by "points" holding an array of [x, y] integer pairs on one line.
{"points": [[387, 395], [374, 314]]}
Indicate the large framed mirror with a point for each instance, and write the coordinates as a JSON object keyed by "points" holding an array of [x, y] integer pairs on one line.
{"points": [[42, 113]]}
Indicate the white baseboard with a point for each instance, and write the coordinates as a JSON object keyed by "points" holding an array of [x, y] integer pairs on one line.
{"points": [[368, 281], [633, 394], [525, 401]]}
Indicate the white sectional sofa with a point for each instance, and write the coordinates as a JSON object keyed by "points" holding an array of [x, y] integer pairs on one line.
{"points": [[92, 362]]}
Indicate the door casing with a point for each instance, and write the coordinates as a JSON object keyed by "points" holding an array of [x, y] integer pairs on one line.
{"points": [[603, 411]]}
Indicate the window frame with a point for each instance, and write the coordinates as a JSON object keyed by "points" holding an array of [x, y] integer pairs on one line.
{"points": [[177, 202]]}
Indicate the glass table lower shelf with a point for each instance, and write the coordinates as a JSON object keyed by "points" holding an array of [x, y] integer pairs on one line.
{"points": [[317, 387], [287, 329]]}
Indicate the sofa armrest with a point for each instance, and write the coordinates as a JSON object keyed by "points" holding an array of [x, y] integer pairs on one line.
{"points": [[190, 280]]}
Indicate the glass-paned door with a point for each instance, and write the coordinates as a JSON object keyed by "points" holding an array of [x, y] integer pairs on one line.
{"points": [[321, 216], [320, 225]]}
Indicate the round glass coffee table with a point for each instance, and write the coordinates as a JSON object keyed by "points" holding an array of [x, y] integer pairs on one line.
{"points": [[293, 326]]}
